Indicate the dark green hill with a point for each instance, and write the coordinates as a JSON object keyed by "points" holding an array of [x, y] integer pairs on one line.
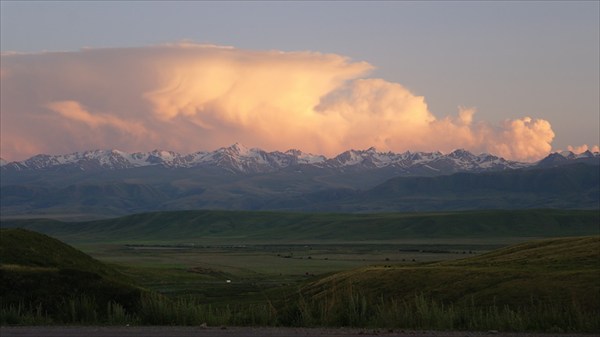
{"points": [[263, 227], [562, 272], [25, 248], [38, 271]]}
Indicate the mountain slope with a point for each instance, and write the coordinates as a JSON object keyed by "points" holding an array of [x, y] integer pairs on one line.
{"points": [[239, 159], [242, 160], [97, 184], [96, 196], [567, 186]]}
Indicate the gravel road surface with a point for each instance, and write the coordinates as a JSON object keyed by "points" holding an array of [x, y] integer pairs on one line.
{"points": [[167, 331]]}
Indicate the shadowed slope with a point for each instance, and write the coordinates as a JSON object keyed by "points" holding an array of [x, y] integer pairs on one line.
{"points": [[37, 270]]}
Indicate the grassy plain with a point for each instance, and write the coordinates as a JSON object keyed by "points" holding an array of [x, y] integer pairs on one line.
{"points": [[203, 271], [243, 227], [193, 253], [434, 270]]}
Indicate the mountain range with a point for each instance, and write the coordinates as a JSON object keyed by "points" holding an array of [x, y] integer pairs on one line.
{"points": [[104, 183], [240, 159]]}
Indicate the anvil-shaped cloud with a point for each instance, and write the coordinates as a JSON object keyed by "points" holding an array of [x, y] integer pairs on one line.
{"points": [[189, 97]]}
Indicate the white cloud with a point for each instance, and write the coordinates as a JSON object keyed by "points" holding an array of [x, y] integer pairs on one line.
{"points": [[188, 97]]}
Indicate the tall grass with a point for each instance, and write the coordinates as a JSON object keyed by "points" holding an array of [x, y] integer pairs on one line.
{"points": [[82, 309], [23, 315], [346, 307], [152, 309], [349, 307], [158, 309], [117, 315]]}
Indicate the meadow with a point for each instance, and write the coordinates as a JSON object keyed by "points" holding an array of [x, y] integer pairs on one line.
{"points": [[425, 275], [203, 271]]}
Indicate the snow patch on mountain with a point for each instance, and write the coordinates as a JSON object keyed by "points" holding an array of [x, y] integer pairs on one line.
{"points": [[238, 158]]}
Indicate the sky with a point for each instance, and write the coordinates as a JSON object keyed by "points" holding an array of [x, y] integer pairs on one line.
{"points": [[516, 79]]}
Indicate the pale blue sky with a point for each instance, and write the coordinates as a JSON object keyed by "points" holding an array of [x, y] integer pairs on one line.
{"points": [[507, 59]]}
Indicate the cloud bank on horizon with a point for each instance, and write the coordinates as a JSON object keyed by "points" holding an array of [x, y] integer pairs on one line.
{"points": [[188, 97]]}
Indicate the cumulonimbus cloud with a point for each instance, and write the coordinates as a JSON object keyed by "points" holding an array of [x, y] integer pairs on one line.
{"points": [[189, 97]]}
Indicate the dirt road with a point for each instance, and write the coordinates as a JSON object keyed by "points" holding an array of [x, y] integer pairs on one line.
{"points": [[164, 331]]}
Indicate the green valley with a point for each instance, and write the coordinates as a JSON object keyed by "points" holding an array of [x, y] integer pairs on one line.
{"points": [[527, 270]]}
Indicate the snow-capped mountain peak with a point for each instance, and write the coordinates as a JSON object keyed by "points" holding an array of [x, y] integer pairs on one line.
{"points": [[305, 158], [567, 154], [565, 157], [239, 149], [586, 154], [461, 154], [240, 159]]}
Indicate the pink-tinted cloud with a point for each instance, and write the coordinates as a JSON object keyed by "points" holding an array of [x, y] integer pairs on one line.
{"points": [[74, 111], [189, 97], [583, 148], [390, 117]]}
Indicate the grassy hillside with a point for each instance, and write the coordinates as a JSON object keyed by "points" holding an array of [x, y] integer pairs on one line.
{"points": [[25, 248], [549, 285], [248, 227], [38, 271], [559, 271]]}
